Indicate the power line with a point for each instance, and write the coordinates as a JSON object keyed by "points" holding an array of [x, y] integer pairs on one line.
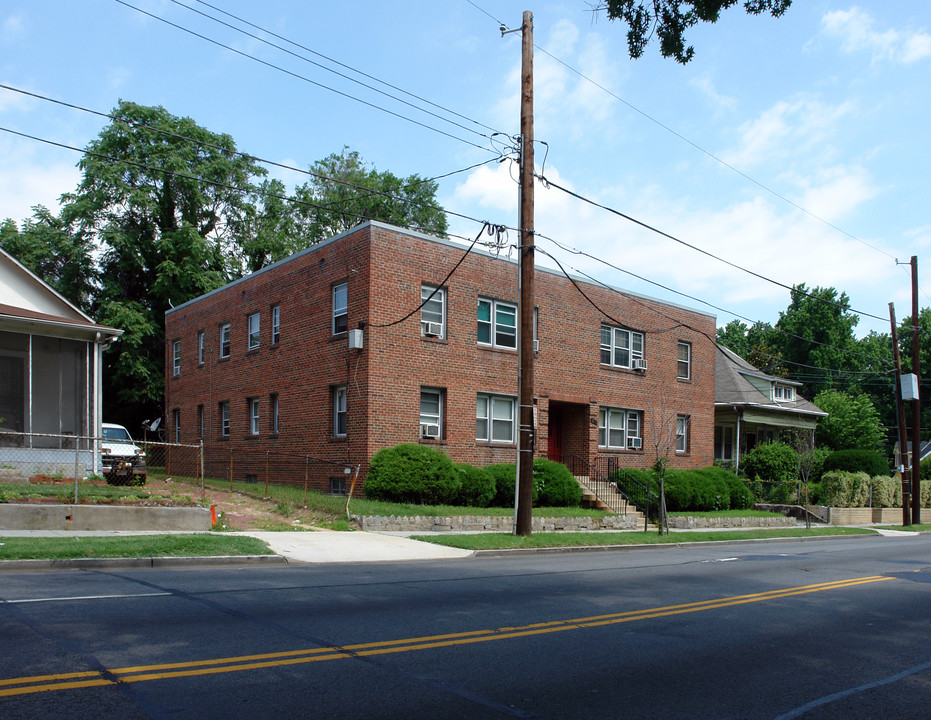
{"points": [[363, 191], [574, 251], [299, 76], [646, 226], [251, 190], [331, 70], [712, 155]]}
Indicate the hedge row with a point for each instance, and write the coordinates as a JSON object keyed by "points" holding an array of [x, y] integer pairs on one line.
{"points": [[419, 474], [857, 489], [705, 489]]}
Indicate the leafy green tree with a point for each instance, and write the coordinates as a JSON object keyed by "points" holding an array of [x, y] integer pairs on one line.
{"points": [[669, 19], [163, 200], [45, 247], [816, 337], [344, 191], [758, 344], [852, 421], [269, 232]]}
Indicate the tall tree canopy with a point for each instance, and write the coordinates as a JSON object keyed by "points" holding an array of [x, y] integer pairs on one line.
{"points": [[669, 20], [816, 330], [45, 247], [852, 422], [344, 191], [167, 210], [162, 199]]}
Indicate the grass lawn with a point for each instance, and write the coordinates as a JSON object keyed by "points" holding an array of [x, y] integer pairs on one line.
{"points": [[135, 546], [293, 495], [504, 541], [89, 491]]}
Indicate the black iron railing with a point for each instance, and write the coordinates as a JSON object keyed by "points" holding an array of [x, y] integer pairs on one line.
{"points": [[599, 483]]}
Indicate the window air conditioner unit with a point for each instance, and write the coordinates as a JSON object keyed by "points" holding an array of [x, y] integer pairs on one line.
{"points": [[636, 443], [638, 364], [433, 329], [536, 346], [429, 431]]}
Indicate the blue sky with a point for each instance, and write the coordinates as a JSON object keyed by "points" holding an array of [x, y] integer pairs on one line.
{"points": [[797, 148]]}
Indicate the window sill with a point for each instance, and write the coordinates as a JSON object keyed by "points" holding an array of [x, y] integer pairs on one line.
{"points": [[687, 381], [432, 441], [625, 370], [436, 339], [492, 348], [490, 443]]}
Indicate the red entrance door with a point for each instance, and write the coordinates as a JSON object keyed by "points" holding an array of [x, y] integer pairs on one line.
{"points": [[554, 439]]}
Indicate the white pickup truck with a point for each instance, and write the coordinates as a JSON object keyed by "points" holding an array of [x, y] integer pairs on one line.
{"points": [[123, 460]]}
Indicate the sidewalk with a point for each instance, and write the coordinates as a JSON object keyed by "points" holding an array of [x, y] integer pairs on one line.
{"points": [[293, 547]]}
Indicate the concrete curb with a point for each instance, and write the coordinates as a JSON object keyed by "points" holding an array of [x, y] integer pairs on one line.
{"points": [[503, 552], [149, 562]]}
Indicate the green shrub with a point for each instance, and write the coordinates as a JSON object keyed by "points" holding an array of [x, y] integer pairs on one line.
{"points": [[868, 461], [740, 496], [924, 469], [477, 488], [555, 484], [884, 491], [771, 462], [840, 488], [709, 490], [412, 473], [679, 492], [816, 469]]}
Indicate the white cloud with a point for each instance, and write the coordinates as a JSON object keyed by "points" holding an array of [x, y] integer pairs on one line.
{"points": [[720, 102], [12, 28], [857, 32], [788, 129], [836, 191]]}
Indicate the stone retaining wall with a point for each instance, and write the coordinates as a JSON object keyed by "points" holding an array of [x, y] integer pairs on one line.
{"points": [[489, 523], [697, 523]]}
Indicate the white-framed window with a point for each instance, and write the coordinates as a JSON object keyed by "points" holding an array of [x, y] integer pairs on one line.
{"points": [[495, 418], [274, 403], [176, 354], [177, 419], [620, 429], [225, 340], [433, 312], [783, 393], [340, 308], [723, 442], [253, 416], [276, 324], [200, 347], [497, 323], [620, 347], [431, 412], [682, 433], [339, 411], [684, 361], [254, 325], [225, 418]]}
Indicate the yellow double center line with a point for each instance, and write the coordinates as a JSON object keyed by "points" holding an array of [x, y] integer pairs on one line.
{"points": [[143, 673]]}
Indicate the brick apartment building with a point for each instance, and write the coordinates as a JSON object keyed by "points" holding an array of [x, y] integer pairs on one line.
{"points": [[265, 364]]}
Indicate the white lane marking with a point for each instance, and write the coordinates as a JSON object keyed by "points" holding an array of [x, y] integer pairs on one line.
{"points": [[82, 597]]}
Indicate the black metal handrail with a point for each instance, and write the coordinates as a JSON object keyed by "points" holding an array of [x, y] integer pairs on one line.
{"points": [[605, 489], [643, 497]]}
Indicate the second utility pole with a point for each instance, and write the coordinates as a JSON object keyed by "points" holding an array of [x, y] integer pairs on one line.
{"points": [[525, 442]]}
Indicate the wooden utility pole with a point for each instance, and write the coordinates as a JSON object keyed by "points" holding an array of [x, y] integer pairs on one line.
{"points": [[916, 403], [900, 415], [525, 443]]}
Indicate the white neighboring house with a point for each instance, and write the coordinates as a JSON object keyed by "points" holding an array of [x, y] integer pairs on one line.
{"points": [[51, 365]]}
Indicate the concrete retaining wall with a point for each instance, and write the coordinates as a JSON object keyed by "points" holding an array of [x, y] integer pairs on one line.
{"points": [[858, 516], [15, 516], [494, 523]]}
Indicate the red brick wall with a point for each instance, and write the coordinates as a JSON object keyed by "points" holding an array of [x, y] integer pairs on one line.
{"points": [[385, 269]]}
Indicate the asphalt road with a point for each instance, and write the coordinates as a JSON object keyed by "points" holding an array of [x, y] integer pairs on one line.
{"points": [[815, 630]]}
